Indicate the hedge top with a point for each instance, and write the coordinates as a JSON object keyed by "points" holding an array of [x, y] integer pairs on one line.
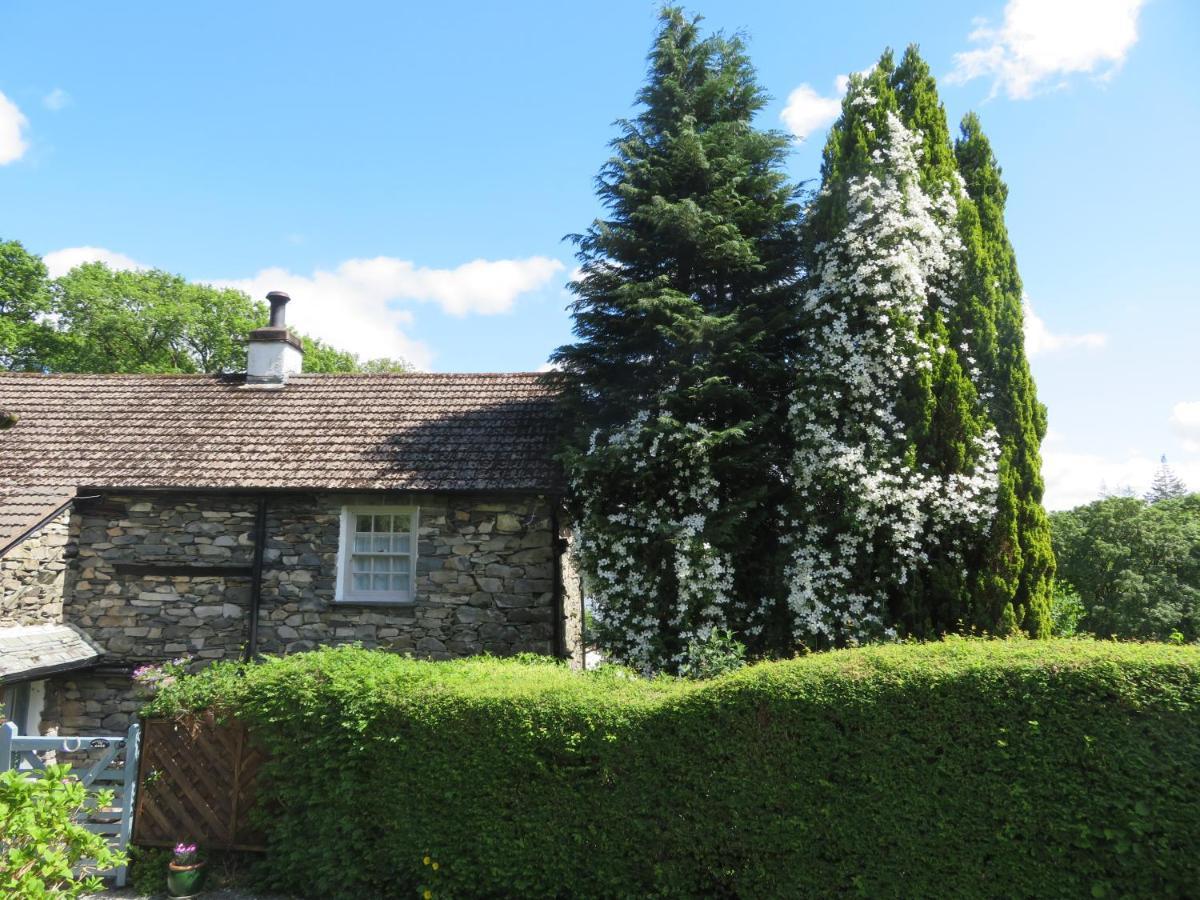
{"points": [[386, 677]]}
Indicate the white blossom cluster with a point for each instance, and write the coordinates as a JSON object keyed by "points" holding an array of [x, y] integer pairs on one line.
{"points": [[866, 515], [649, 536]]}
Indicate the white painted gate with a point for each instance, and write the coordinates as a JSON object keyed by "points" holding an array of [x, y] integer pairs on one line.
{"points": [[111, 763]]}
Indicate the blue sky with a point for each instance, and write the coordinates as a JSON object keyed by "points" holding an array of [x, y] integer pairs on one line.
{"points": [[408, 171]]}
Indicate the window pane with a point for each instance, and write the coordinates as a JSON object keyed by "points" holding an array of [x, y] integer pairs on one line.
{"points": [[400, 564], [360, 564], [381, 543], [379, 582], [382, 564], [400, 543], [362, 543], [400, 523], [362, 582], [399, 583], [364, 523]]}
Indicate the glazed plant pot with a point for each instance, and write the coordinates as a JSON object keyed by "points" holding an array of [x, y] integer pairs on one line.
{"points": [[185, 881]]}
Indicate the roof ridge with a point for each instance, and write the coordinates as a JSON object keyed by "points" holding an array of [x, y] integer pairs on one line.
{"points": [[230, 375]]}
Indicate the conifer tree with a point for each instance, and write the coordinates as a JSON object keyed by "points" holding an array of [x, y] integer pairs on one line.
{"points": [[1016, 566], [894, 467], [677, 383], [958, 408], [1166, 484]]}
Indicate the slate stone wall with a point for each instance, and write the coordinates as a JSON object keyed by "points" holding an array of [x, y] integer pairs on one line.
{"points": [[485, 582], [32, 575]]}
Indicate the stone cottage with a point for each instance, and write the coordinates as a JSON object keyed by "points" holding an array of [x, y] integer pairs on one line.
{"points": [[152, 517]]}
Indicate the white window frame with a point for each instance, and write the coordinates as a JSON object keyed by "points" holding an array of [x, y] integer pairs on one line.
{"points": [[344, 591]]}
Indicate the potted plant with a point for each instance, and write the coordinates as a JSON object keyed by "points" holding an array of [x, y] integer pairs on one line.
{"points": [[185, 874]]}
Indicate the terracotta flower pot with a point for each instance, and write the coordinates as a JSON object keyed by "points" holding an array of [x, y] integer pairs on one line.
{"points": [[185, 881]]}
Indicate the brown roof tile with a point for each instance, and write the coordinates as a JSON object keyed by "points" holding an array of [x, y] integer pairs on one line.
{"points": [[434, 432], [24, 506]]}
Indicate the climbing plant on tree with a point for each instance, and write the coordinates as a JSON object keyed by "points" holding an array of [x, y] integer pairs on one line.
{"points": [[678, 380], [894, 466], [918, 506]]}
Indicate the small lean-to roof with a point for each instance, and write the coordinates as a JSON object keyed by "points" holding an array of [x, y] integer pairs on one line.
{"points": [[411, 431], [32, 651], [24, 507]]}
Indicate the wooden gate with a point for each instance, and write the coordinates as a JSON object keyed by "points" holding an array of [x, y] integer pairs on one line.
{"points": [[197, 783], [102, 762]]}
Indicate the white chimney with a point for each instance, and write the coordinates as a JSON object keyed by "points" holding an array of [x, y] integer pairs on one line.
{"points": [[274, 352]]}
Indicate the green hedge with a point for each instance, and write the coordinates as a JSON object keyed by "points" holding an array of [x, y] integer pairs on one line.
{"points": [[967, 768]]}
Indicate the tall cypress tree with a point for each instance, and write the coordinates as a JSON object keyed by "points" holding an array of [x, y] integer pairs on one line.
{"points": [[1017, 570], [678, 380], [965, 409], [895, 461]]}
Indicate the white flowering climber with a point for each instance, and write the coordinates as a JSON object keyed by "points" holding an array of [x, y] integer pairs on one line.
{"points": [[663, 519], [867, 515]]}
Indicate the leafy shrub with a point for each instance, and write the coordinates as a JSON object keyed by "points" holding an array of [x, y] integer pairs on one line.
{"points": [[40, 843], [720, 654], [1066, 611], [148, 869], [967, 768]]}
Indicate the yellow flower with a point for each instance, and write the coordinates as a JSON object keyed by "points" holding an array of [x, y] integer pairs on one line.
{"points": [[425, 860], [435, 866], [428, 894]]}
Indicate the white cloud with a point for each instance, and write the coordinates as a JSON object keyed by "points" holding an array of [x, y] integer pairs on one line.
{"points": [[1076, 478], [1039, 339], [12, 132], [1185, 419], [60, 262], [807, 111], [1041, 42], [355, 307], [56, 100]]}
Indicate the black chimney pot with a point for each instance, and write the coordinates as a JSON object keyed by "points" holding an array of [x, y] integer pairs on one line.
{"points": [[279, 301]]}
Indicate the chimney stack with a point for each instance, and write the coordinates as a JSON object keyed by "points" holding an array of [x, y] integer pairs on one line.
{"points": [[274, 352]]}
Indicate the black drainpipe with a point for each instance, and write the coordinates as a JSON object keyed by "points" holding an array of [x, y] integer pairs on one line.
{"points": [[260, 542], [560, 649]]}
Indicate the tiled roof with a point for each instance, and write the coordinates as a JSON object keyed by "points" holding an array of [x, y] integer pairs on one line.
{"points": [[41, 649], [24, 506], [429, 432]]}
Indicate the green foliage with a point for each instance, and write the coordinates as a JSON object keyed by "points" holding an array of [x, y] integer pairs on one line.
{"points": [[682, 314], [967, 768], [40, 843], [148, 869], [1016, 566], [720, 654], [1135, 565], [983, 379], [117, 321], [1066, 612], [94, 319], [24, 302]]}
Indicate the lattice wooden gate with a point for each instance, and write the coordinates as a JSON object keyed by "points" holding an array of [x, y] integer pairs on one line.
{"points": [[197, 783]]}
